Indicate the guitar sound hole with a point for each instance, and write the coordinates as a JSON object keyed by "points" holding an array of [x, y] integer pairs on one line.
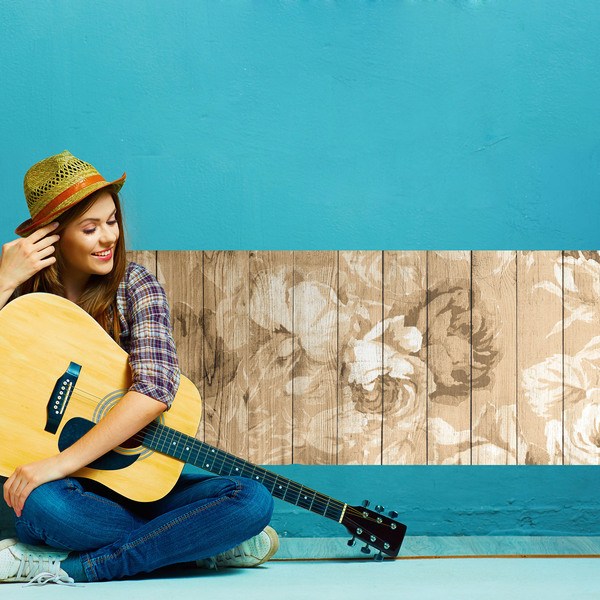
{"points": [[131, 443]]}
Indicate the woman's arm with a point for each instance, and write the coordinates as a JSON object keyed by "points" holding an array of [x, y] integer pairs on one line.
{"points": [[6, 292], [155, 379], [131, 414], [24, 257]]}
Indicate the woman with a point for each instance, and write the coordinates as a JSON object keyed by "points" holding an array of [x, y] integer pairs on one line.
{"points": [[73, 245]]}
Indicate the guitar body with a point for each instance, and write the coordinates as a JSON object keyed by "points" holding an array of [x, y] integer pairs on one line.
{"points": [[41, 336]]}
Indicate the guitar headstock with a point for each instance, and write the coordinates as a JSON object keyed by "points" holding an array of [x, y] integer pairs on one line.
{"points": [[381, 532]]}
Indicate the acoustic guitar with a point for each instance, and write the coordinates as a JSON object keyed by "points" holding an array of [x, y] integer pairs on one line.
{"points": [[60, 373]]}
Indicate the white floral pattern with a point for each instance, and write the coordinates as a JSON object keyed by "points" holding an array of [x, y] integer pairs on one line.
{"points": [[299, 339]]}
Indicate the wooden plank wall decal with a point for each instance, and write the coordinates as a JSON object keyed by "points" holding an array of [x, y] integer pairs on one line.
{"points": [[539, 356], [359, 363], [404, 327], [271, 356], [395, 357], [493, 358]]}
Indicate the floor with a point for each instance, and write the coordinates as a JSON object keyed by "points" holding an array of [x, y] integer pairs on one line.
{"points": [[410, 578]]}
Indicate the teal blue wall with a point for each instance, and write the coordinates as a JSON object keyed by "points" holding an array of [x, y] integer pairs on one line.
{"points": [[301, 125], [454, 500]]}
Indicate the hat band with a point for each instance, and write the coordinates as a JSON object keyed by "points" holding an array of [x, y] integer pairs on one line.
{"points": [[49, 208]]}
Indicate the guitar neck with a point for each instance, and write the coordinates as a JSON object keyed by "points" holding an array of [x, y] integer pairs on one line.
{"points": [[194, 452]]}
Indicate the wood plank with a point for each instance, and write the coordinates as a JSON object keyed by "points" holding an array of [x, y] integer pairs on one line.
{"points": [[449, 357], [270, 357], [360, 368], [582, 357], [493, 359], [180, 273], [314, 384], [146, 258], [405, 358], [226, 350], [539, 356]]}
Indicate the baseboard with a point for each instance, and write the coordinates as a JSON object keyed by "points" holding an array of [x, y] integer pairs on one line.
{"points": [[296, 548]]}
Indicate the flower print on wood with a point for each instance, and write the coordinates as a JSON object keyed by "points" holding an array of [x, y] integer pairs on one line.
{"points": [[493, 362], [269, 365], [314, 383], [225, 349], [449, 357], [360, 415], [404, 358], [180, 274], [539, 357], [146, 258], [391, 357], [581, 274]]}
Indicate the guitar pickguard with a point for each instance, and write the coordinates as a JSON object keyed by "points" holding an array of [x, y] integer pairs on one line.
{"points": [[111, 461]]}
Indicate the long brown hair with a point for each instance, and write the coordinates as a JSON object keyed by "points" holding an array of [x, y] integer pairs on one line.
{"points": [[99, 298]]}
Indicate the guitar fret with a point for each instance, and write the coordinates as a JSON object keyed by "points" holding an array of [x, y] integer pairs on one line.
{"points": [[210, 458], [175, 442], [291, 495], [197, 449], [303, 499], [224, 462], [235, 467], [217, 456], [238, 468], [163, 442], [278, 490], [271, 481]]}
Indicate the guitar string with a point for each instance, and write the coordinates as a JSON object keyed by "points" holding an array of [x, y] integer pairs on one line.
{"points": [[139, 437]]}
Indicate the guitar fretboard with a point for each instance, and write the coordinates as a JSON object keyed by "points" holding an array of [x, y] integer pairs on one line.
{"points": [[192, 451]]}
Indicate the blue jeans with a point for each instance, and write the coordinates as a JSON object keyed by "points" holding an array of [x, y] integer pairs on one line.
{"points": [[114, 537]]}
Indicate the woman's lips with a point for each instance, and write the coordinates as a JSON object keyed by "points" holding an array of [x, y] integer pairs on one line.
{"points": [[104, 257]]}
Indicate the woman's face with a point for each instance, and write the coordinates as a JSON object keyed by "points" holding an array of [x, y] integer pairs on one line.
{"points": [[87, 244]]}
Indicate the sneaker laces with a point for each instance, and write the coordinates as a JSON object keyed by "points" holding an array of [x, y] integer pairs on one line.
{"points": [[46, 577], [42, 569], [236, 552], [213, 561]]}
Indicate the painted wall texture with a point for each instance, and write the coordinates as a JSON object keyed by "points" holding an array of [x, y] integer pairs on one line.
{"points": [[458, 124]]}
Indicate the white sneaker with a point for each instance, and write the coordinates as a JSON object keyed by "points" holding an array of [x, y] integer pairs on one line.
{"points": [[35, 564], [250, 553]]}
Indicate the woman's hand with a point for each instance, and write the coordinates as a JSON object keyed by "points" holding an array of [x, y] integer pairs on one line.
{"points": [[27, 477], [24, 257]]}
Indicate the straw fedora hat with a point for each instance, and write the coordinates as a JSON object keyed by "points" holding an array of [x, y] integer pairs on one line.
{"points": [[57, 183]]}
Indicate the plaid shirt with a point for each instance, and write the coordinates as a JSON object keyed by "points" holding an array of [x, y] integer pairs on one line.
{"points": [[146, 335]]}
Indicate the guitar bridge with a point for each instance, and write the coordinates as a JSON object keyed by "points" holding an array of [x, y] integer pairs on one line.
{"points": [[60, 396]]}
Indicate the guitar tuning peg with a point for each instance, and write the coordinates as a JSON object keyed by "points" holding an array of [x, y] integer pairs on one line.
{"points": [[352, 541], [365, 549], [379, 508], [378, 557], [393, 514], [365, 503]]}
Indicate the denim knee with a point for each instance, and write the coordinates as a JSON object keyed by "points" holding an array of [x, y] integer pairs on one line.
{"points": [[43, 502], [259, 502], [47, 499]]}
